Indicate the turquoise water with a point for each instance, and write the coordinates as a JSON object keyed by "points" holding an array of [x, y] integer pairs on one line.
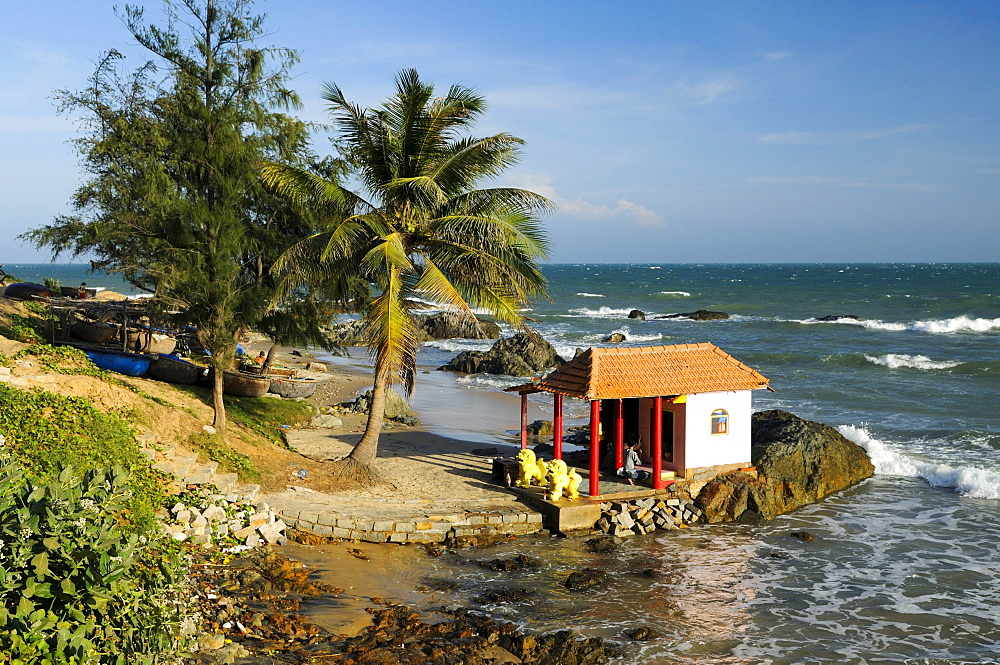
{"points": [[904, 568]]}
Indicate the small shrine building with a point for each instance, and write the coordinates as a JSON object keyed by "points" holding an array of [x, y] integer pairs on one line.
{"points": [[687, 405]]}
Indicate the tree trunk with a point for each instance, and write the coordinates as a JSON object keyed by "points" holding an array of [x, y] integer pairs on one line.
{"points": [[366, 449], [220, 407], [267, 361]]}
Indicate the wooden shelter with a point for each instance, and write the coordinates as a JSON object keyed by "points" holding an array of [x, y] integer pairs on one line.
{"points": [[701, 393]]}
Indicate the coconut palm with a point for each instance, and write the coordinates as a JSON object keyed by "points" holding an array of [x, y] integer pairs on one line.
{"points": [[416, 225]]}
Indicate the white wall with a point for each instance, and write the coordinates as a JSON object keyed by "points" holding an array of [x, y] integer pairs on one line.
{"points": [[707, 449]]}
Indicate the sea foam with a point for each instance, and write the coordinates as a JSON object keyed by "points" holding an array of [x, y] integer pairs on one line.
{"points": [[957, 324], [900, 360], [675, 293], [600, 313], [968, 480], [590, 295]]}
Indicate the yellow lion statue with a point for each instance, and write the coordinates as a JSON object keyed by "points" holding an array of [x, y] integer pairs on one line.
{"points": [[563, 481], [529, 470]]}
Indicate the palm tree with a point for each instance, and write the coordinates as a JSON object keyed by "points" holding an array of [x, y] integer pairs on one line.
{"points": [[418, 226]]}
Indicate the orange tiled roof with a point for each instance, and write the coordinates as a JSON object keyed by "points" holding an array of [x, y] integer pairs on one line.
{"points": [[648, 371]]}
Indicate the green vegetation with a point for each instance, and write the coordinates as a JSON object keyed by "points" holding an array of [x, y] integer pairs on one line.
{"points": [[45, 432], [266, 417], [419, 227], [215, 448], [74, 588], [29, 330]]}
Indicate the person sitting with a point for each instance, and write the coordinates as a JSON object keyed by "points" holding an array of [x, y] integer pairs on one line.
{"points": [[631, 473], [261, 358], [81, 293]]}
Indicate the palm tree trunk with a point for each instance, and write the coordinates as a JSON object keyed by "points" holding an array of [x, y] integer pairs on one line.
{"points": [[220, 407], [267, 361], [366, 449]]}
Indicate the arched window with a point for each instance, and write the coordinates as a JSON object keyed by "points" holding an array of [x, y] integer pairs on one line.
{"points": [[720, 421]]}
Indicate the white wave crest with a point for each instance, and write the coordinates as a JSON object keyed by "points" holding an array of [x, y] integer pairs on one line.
{"points": [[968, 480], [898, 360], [600, 313], [490, 381], [675, 293], [458, 345], [957, 324], [590, 295]]}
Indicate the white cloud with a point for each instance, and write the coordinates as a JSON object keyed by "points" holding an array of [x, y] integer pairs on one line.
{"points": [[827, 181], [623, 208], [774, 56], [702, 92], [837, 138]]}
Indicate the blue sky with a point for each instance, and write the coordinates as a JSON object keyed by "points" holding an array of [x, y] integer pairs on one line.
{"points": [[665, 131]]}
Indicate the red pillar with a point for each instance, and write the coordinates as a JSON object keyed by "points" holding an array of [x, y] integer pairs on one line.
{"points": [[619, 433], [595, 447], [657, 443], [557, 426], [524, 420]]}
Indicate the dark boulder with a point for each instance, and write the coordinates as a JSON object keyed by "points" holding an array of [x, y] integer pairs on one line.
{"points": [[798, 462], [602, 544], [521, 355], [541, 428], [838, 317], [453, 325], [585, 579], [614, 338], [698, 315], [637, 314], [440, 325]]}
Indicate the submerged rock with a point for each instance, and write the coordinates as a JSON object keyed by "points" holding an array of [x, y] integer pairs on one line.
{"points": [[637, 314], [521, 355], [585, 579], [614, 338], [838, 317], [798, 462]]}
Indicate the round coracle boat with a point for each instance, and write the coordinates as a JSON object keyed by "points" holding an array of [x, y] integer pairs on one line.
{"points": [[26, 291], [174, 370], [244, 385], [151, 342], [292, 388]]}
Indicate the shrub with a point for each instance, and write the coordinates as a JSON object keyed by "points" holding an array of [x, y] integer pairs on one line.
{"points": [[74, 588], [45, 431]]}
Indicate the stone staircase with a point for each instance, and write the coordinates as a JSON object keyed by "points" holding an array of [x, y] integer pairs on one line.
{"points": [[184, 467]]}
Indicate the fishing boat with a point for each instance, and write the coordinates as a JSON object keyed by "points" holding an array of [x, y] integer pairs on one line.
{"points": [[292, 388], [174, 370], [244, 385], [27, 291], [123, 362]]}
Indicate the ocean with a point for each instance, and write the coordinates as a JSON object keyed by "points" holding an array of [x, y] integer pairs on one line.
{"points": [[903, 568]]}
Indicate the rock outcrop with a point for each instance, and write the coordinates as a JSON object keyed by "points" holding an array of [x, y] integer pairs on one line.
{"points": [[798, 462], [698, 315], [637, 314], [839, 317], [395, 406], [440, 325], [520, 355]]}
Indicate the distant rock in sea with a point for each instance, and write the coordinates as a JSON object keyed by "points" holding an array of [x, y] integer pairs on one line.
{"points": [[839, 317], [698, 315]]}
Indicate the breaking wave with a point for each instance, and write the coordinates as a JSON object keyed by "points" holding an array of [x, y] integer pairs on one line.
{"points": [[958, 324], [675, 293], [898, 360], [968, 480], [600, 313], [590, 295]]}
